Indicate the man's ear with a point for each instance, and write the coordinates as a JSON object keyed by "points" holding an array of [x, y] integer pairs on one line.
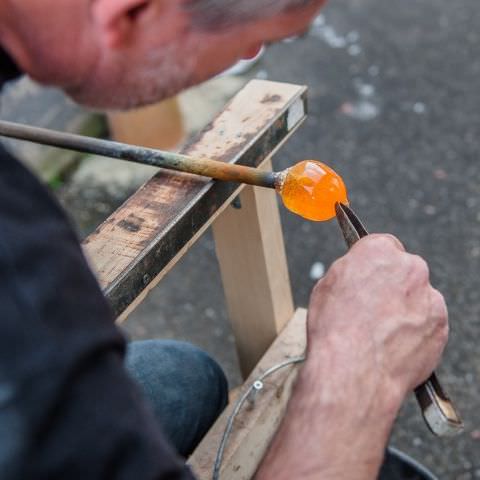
{"points": [[117, 18]]}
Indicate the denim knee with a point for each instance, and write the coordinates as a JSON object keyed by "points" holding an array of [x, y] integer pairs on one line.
{"points": [[185, 386]]}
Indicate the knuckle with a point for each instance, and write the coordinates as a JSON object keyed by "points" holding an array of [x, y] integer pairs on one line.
{"points": [[440, 335], [336, 276], [440, 316], [444, 333], [440, 306], [336, 269], [325, 284], [381, 242], [384, 242], [419, 269], [439, 300], [328, 280]]}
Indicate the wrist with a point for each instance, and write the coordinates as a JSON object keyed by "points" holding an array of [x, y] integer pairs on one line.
{"points": [[333, 427], [352, 387], [358, 398]]}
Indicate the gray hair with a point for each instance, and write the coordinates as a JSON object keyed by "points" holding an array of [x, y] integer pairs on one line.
{"points": [[218, 14]]}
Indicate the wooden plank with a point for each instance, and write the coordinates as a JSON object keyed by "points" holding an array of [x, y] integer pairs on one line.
{"points": [[138, 243], [255, 426], [253, 264], [155, 126]]}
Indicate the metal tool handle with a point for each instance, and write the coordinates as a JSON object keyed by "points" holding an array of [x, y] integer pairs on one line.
{"points": [[437, 409]]}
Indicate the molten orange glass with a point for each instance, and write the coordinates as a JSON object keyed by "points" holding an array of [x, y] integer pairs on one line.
{"points": [[311, 189]]}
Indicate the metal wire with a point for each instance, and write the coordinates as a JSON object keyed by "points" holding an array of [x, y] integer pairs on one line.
{"points": [[256, 386]]}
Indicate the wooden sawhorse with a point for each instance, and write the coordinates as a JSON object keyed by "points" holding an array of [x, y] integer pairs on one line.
{"points": [[140, 242]]}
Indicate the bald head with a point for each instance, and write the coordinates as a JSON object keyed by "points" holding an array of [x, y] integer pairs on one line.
{"points": [[126, 53]]}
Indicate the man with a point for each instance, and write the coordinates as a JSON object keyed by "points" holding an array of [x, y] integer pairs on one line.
{"points": [[376, 327]]}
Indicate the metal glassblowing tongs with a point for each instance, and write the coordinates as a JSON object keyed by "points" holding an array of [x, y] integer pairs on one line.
{"points": [[438, 411]]}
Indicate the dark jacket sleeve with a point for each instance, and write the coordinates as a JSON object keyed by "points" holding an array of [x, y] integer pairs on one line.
{"points": [[68, 409]]}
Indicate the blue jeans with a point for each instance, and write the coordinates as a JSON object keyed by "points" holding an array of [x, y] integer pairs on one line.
{"points": [[186, 388]]}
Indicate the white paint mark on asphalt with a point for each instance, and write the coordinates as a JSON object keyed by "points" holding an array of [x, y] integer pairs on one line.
{"points": [[320, 29], [475, 252], [364, 89], [419, 108], [364, 110], [367, 106], [317, 271], [262, 75], [210, 313], [354, 50], [430, 209], [319, 21]]}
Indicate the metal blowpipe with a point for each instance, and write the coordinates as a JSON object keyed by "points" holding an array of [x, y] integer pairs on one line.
{"points": [[146, 156]]}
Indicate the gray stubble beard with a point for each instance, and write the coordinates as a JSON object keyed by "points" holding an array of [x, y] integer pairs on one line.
{"points": [[161, 75]]}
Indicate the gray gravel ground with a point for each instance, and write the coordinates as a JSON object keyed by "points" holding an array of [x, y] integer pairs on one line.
{"points": [[394, 108]]}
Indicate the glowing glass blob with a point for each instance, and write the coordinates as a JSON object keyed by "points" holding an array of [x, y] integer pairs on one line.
{"points": [[311, 189]]}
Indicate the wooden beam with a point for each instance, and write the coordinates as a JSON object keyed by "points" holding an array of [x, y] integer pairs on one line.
{"points": [[255, 425], [253, 264], [155, 126], [141, 241]]}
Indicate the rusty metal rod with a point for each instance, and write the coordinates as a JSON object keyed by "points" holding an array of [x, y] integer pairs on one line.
{"points": [[146, 156]]}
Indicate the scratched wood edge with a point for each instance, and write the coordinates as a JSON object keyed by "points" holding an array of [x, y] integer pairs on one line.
{"points": [[254, 426], [148, 267]]}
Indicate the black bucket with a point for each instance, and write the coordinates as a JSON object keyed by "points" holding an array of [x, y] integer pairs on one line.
{"points": [[399, 466]]}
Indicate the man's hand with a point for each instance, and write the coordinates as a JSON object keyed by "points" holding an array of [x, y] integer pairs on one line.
{"points": [[376, 309], [376, 329]]}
